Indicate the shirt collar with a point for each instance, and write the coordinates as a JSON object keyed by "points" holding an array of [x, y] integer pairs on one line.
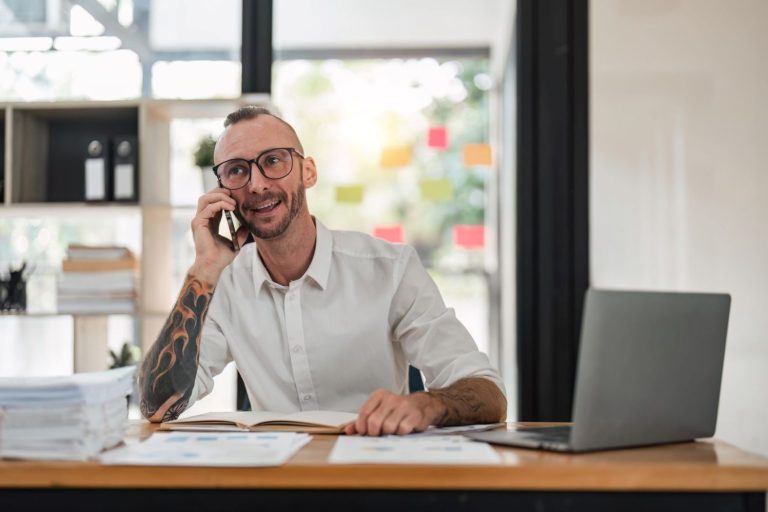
{"points": [[319, 267]]}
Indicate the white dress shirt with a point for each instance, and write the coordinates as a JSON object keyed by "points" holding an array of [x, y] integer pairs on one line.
{"points": [[351, 324]]}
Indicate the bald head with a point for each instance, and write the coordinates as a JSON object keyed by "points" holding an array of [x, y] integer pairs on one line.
{"points": [[252, 112]]}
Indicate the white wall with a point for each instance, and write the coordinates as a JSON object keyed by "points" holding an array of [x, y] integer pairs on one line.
{"points": [[679, 171]]}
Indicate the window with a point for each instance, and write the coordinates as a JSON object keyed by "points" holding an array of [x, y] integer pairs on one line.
{"points": [[402, 152], [119, 49]]}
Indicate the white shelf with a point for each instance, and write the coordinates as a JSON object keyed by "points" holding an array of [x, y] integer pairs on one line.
{"points": [[26, 171], [69, 209], [43, 314]]}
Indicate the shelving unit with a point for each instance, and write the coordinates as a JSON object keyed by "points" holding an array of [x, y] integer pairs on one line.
{"points": [[43, 168]]}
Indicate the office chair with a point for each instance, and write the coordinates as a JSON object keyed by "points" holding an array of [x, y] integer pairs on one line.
{"points": [[415, 384]]}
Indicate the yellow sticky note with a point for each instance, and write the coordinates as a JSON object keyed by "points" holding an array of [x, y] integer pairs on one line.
{"points": [[395, 156], [349, 194], [477, 154], [436, 190]]}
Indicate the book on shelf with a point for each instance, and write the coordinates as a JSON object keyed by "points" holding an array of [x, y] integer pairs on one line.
{"points": [[312, 422], [99, 252], [92, 265], [114, 281], [98, 280], [96, 307]]}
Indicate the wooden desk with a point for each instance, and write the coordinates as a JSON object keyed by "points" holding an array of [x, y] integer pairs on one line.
{"points": [[709, 475]]}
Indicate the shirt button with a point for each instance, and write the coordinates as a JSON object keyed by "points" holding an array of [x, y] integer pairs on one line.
{"points": [[296, 349], [307, 398]]}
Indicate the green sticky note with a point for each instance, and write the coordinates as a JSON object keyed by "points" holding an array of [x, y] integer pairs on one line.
{"points": [[437, 190], [349, 194]]}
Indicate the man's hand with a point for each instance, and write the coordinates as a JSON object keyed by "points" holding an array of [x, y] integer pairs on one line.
{"points": [[387, 413], [465, 402], [213, 252]]}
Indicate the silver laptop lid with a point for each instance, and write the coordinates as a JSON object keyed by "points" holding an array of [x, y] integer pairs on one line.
{"points": [[650, 365]]}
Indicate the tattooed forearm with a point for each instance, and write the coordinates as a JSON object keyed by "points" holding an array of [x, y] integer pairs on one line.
{"points": [[168, 371], [470, 401]]}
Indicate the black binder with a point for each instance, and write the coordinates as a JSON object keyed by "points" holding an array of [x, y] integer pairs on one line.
{"points": [[125, 171]]}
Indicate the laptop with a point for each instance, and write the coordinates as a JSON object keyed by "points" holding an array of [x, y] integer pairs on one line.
{"points": [[649, 371]]}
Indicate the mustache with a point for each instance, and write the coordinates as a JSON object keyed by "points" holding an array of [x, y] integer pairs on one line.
{"points": [[257, 199]]}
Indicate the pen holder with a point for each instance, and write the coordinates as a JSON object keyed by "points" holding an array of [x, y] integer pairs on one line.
{"points": [[13, 294]]}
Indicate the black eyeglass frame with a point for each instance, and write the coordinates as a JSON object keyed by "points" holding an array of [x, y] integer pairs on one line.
{"points": [[255, 161]]}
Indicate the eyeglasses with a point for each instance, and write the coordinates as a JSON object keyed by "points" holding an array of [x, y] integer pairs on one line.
{"points": [[274, 164]]}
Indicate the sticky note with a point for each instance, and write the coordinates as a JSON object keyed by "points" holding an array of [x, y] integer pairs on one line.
{"points": [[436, 190], [437, 137], [469, 236], [393, 233], [477, 154], [395, 156], [349, 194]]}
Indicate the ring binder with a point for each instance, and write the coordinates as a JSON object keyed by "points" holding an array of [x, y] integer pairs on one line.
{"points": [[124, 168], [96, 175]]}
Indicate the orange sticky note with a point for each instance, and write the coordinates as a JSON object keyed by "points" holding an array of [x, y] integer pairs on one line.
{"points": [[392, 233], [395, 156], [477, 154], [469, 236], [437, 137]]}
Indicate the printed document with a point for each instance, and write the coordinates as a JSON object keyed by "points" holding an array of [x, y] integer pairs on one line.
{"points": [[446, 449], [246, 449]]}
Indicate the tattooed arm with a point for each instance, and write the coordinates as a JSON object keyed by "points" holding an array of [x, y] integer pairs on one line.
{"points": [[466, 402], [167, 373]]}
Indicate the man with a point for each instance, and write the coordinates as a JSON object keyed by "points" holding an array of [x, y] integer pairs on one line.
{"points": [[314, 319]]}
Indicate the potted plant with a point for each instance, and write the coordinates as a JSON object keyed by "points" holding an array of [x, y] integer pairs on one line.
{"points": [[204, 160]]}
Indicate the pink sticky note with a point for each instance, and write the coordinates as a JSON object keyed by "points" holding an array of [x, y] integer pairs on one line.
{"points": [[392, 233], [469, 236], [437, 138]]}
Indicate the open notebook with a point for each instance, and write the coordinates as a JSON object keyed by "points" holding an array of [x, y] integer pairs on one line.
{"points": [[313, 422]]}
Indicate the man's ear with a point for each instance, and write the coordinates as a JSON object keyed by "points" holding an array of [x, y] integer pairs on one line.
{"points": [[310, 172]]}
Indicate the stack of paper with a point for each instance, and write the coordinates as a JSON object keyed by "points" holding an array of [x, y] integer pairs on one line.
{"points": [[246, 449], [63, 418], [97, 279]]}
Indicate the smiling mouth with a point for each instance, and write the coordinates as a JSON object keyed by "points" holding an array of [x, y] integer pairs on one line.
{"points": [[268, 207]]}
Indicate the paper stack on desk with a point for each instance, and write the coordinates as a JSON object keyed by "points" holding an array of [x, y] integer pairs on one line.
{"points": [[63, 418], [245, 449]]}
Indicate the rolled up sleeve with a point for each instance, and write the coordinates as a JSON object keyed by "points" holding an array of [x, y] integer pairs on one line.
{"points": [[432, 338]]}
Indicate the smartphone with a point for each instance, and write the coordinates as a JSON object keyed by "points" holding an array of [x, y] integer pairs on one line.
{"points": [[232, 230], [231, 224]]}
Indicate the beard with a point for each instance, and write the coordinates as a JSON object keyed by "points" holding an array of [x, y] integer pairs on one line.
{"points": [[298, 198]]}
